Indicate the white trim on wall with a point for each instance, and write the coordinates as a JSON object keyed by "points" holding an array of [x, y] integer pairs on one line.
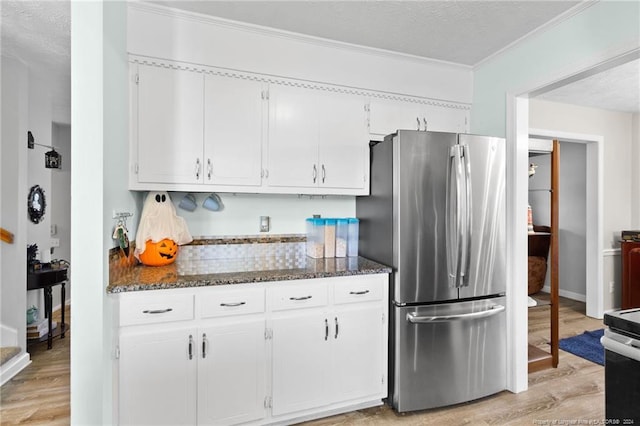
{"points": [[517, 111]]}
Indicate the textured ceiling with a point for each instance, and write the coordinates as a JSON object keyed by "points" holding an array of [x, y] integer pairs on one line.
{"points": [[617, 89], [464, 32], [38, 32]]}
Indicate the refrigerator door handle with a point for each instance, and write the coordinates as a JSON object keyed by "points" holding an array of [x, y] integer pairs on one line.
{"points": [[413, 318], [466, 255], [453, 220]]}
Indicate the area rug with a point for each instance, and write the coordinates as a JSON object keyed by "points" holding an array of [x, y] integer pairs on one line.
{"points": [[586, 345]]}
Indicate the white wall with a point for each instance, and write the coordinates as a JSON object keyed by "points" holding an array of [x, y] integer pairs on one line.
{"points": [[163, 33], [99, 144], [600, 32], [241, 214], [13, 206], [60, 201]]}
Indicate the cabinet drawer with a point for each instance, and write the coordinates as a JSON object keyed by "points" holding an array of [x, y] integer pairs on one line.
{"points": [[358, 289], [232, 302], [298, 296], [149, 309]]}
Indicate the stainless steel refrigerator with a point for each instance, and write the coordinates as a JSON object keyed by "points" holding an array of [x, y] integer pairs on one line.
{"points": [[436, 214]]}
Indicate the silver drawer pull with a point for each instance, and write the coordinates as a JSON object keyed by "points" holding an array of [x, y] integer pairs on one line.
{"points": [[157, 311], [359, 292], [301, 298], [233, 304]]}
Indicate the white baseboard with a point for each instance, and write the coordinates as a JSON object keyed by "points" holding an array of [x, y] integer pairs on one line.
{"points": [[568, 294], [13, 367]]}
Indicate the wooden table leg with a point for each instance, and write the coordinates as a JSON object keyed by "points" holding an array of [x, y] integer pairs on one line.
{"points": [[47, 310], [62, 302]]}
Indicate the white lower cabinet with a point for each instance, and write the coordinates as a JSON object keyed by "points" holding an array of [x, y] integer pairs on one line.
{"points": [[157, 377], [231, 373], [331, 351], [273, 352]]}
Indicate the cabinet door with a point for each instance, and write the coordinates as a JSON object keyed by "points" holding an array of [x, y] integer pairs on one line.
{"points": [[300, 361], [344, 141], [158, 377], [388, 116], [441, 119], [357, 364], [231, 372], [293, 137], [232, 131], [170, 125]]}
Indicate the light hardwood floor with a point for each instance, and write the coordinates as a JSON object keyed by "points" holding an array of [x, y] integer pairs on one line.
{"points": [[39, 394], [574, 391]]}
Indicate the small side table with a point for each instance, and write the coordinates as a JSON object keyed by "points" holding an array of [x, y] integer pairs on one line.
{"points": [[45, 279]]}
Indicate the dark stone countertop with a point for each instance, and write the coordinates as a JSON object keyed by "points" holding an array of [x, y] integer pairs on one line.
{"points": [[167, 277]]}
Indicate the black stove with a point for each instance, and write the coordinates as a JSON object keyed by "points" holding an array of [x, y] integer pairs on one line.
{"points": [[622, 366], [626, 322]]}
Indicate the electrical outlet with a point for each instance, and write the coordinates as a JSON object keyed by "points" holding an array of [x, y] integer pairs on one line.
{"points": [[55, 242], [612, 286], [264, 223]]}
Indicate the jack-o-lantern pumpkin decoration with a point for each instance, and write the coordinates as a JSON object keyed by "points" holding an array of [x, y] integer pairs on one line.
{"points": [[159, 222], [159, 254]]}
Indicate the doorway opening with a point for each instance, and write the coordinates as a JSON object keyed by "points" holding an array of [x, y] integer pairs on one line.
{"points": [[591, 145]]}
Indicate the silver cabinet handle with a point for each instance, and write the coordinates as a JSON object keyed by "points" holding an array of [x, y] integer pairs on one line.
{"points": [[209, 168], [412, 317], [326, 329], [315, 173], [336, 320], [324, 173], [424, 120], [157, 311], [418, 121], [301, 298], [205, 343], [359, 292], [190, 346], [233, 304], [197, 169]]}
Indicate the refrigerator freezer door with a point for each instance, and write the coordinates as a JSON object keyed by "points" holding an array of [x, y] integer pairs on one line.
{"points": [[420, 161], [485, 165], [447, 354]]}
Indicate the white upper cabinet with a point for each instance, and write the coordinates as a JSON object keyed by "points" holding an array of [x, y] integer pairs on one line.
{"points": [[388, 116], [292, 152], [232, 131], [317, 140], [169, 125], [343, 140]]}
